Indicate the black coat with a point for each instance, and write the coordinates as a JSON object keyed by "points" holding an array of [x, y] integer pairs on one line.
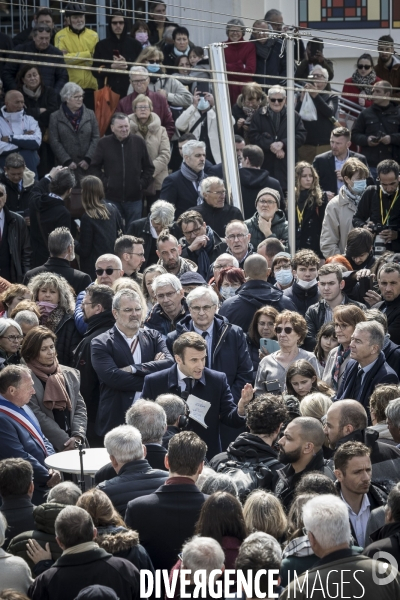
{"points": [[213, 387], [110, 353], [73, 572], [127, 46], [165, 520], [218, 248], [157, 319], [135, 479], [154, 455], [308, 234], [19, 246], [5, 44], [18, 511], [392, 356], [251, 182], [319, 131], [373, 120], [262, 133], [271, 62], [17, 199], [141, 229], [385, 539], [392, 311], [48, 99], [180, 192], [68, 337], [251, 296], [301, 298], [324, 164], [369, 207], [97, 237], [54, 76], [230, 353], [218, 218], [46, 214], [153, 37], [77, 280]]}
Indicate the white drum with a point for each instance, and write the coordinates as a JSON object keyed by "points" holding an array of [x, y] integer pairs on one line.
{"points": [[68, 462]]}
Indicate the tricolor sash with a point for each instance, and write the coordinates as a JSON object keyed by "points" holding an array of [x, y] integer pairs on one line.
{"points": [[23, 419]]}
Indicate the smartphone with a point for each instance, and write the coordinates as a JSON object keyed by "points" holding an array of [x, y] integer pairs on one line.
{"points": [[269, 345], [116, 53], [365, 284], [203, 87]]}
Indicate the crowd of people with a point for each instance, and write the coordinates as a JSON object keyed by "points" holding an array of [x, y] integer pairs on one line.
{"points": [[246, 392]]}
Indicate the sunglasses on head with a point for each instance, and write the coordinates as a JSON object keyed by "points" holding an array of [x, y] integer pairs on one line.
{"points": [[280, 100], [285, 329], [107, 271]]}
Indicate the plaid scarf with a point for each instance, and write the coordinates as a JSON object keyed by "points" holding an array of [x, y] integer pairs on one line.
{"points": [[73, 117], [340, 358]]}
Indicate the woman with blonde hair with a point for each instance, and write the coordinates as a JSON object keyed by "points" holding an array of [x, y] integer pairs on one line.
{"points": [[149, 275], [14, 294], [310, 208], [315, 405], [264, 512], [100, 226]]}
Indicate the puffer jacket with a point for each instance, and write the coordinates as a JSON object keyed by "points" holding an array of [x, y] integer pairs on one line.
{"points": [[177, 94], [279, 228], [124, 543], [302, 298], [158, 147], [79, 51]]}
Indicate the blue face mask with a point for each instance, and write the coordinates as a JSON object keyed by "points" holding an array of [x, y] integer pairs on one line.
{"points": [[203, 104], [359, 186], [284, 276], [153, 68]]}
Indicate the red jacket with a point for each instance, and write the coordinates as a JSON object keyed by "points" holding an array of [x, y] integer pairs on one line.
{"points": [[160, 107], [351, 88], [240, 57]]}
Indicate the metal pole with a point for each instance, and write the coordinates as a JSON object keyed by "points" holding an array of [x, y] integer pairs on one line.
{"points": [[225, 128], [290, 150]]}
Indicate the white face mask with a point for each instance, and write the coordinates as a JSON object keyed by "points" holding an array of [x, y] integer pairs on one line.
{"points": [[306, 285], [227, 291]]}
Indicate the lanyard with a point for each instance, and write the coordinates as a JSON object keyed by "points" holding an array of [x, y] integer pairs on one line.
{"points": [[385, 220], [300, 214]]}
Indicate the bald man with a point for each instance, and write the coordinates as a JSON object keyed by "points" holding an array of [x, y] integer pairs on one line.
{"points": [[300, 449], [18, 131], [253, 294], [347, 420]]}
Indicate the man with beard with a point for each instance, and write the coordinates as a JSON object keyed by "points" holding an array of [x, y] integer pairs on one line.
{"points": [[389, 287], [169, 252], [301, 452]]}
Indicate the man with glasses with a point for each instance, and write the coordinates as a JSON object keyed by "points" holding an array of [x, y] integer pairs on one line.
{"points": [[215, 210], [379, 207], [120, 48], [122, 356], [237, 237], [376, 129], [171, 305], [131, 252], [200, 243]]}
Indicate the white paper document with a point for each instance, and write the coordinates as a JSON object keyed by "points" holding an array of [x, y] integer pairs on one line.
{"points": [[198, 409]]}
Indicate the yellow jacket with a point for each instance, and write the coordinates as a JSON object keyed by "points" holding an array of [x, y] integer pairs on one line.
{"points": [[79, 51]]}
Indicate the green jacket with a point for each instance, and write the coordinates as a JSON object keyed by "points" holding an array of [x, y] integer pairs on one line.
{"points": [[279, 229]]}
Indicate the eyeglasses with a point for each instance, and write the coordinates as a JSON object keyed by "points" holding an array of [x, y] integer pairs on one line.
{"points": [[206, 308], [13, 338], [143, 107], [285, 329], [341, 326], [366, 67], [280, 100], [133, 81], [78, 97], [107, 271], [129, 311], [141, 254], [238, 236], [193, 231], [220, 193], [267, 202], [167, 296]]}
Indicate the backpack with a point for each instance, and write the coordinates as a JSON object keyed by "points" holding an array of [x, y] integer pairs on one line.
{"points": [[249, 474]]}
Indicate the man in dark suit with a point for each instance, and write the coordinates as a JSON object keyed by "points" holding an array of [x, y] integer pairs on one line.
{"points": [[329, 164], [190, 377], [367, 367], [16, 489], [61, 250], [165, 519], [122, 357]]}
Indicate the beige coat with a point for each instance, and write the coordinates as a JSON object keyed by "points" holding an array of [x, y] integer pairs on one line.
{"points": [[158, 147], [337, 224], [45, 416], [14, 573]]}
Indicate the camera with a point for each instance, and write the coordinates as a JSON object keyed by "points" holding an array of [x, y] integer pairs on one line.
{"points": [[376, 229], [273, 386]]}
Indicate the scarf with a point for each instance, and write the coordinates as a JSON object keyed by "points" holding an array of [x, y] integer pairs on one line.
{"points": [[354, 198], [276, 117], [143, 128], [73, 117], [32, 94], [179, 53], [22, 417], [203, 259], [52, 321], [55, 393], [264, 50], [367, 80], [196, 178], [340, 358], [48, 309], [85, 547]]}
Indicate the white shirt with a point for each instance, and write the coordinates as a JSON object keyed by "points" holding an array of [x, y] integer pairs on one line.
{"points": [[153, 232], [181, 377], [359, 521], [208, 340], [137, 357]]}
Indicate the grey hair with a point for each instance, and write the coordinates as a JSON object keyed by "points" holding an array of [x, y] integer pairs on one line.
{"points": [[6, 324], [392, 412], [375, 331], [173, 407], [235, 23], [259, 548], [149, 418], [124, 443], [327, 518], [374, 314], [162, 213], [66, 298], [59, 240], [65, 492], [276, 89], [218, 482], [27, 317], [126, 293], [208, 182], [69, 90], [225, 256], [190, 146], [134, 70], [110, 258], [199, 292], [315, 405], [202, 553], [164, 280], [322, 70], [3, 529]]}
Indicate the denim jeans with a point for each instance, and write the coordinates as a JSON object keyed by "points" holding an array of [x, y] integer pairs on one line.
{"points": [[130, 211]]}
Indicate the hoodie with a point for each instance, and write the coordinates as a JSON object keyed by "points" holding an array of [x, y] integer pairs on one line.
{"points": [[252, 181]]}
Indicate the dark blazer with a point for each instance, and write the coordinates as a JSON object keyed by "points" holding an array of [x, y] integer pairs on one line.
{"points": [[380, 373], [164, 520], [218, 218], [324, 164], [18, 510], [214, 388], [76, 279], [180, 192], [110, 353], [19, 246]]}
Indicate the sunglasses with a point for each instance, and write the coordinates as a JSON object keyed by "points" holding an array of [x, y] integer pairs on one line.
{"points": [[366, 67], [107, 271], [154, 62], [280, 100], [285, 329]]}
